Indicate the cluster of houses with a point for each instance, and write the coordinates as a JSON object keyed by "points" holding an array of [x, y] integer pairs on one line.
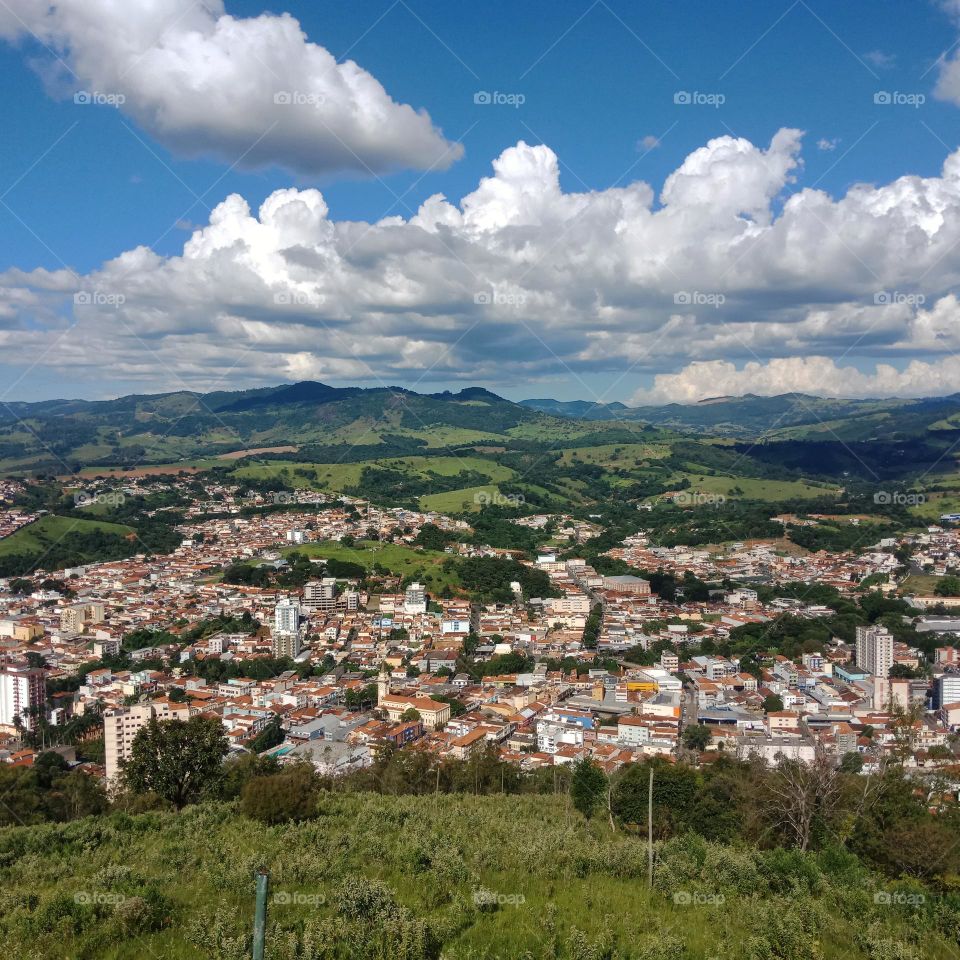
{"points": [[359, 664]]}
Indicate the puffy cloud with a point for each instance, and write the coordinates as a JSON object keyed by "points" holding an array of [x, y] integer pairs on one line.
{"points": [[817, 376], [732, 263], [948, 66], [253, 91]]}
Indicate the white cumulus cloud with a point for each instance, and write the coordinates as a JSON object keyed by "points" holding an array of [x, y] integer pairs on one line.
{"points": [[732, 277], [252, 91]]}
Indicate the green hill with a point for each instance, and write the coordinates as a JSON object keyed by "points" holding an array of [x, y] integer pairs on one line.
{"points": [[406, 878]]}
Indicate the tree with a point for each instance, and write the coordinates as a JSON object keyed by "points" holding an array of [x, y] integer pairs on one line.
{"points": [[410, 714], [588, 788], [176, 759], [804, 796], [851, 762], [948, 587], [289, 795], [696, 737], [272, 735], [772, 703]]}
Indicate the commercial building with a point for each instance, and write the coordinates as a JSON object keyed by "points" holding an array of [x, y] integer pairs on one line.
{"points": [[633, 585]]}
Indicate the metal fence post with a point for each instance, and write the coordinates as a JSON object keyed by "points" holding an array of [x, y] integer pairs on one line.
{"points": [[260, 917]]}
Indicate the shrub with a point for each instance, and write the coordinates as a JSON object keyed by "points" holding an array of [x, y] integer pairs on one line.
{"points": [[291, 795]]}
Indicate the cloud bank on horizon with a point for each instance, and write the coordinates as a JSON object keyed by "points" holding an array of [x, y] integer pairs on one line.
{"points": [[731, 280], [206, 83]]}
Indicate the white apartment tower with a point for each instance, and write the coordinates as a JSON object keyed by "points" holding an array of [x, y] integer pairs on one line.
{"points": [[415, 599], [21, 690], [875, 650], [286, 616]]}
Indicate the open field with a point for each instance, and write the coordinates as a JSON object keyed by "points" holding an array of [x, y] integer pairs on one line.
{"points": [[755, 489], [156, 470], [920, 584], [50, 529], [624, 455], [342, 476], [398, 559]]}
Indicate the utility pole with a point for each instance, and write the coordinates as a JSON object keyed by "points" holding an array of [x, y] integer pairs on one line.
{"points": [[650, 831], [260, 915]]}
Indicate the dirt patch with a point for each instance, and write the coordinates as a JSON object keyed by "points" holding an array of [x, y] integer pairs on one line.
{"points": [[255, 452]]}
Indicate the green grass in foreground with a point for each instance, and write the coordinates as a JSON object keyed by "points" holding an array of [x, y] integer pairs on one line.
{"points": [[416, 878], [40, 536]]}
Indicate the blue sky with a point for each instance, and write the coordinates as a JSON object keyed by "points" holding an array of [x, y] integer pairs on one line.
{"points": [[598, 81]]}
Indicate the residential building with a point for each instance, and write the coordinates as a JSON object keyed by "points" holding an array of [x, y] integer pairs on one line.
{"points": [[286, 616], [875, 650], [120, 727], [22, 690]]}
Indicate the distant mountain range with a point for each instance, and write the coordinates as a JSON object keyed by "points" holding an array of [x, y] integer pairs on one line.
{"points": [[61, 435], [787, 416], [335, 423]]}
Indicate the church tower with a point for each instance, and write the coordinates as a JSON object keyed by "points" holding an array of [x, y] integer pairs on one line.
{"points": [[383, 683]]}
